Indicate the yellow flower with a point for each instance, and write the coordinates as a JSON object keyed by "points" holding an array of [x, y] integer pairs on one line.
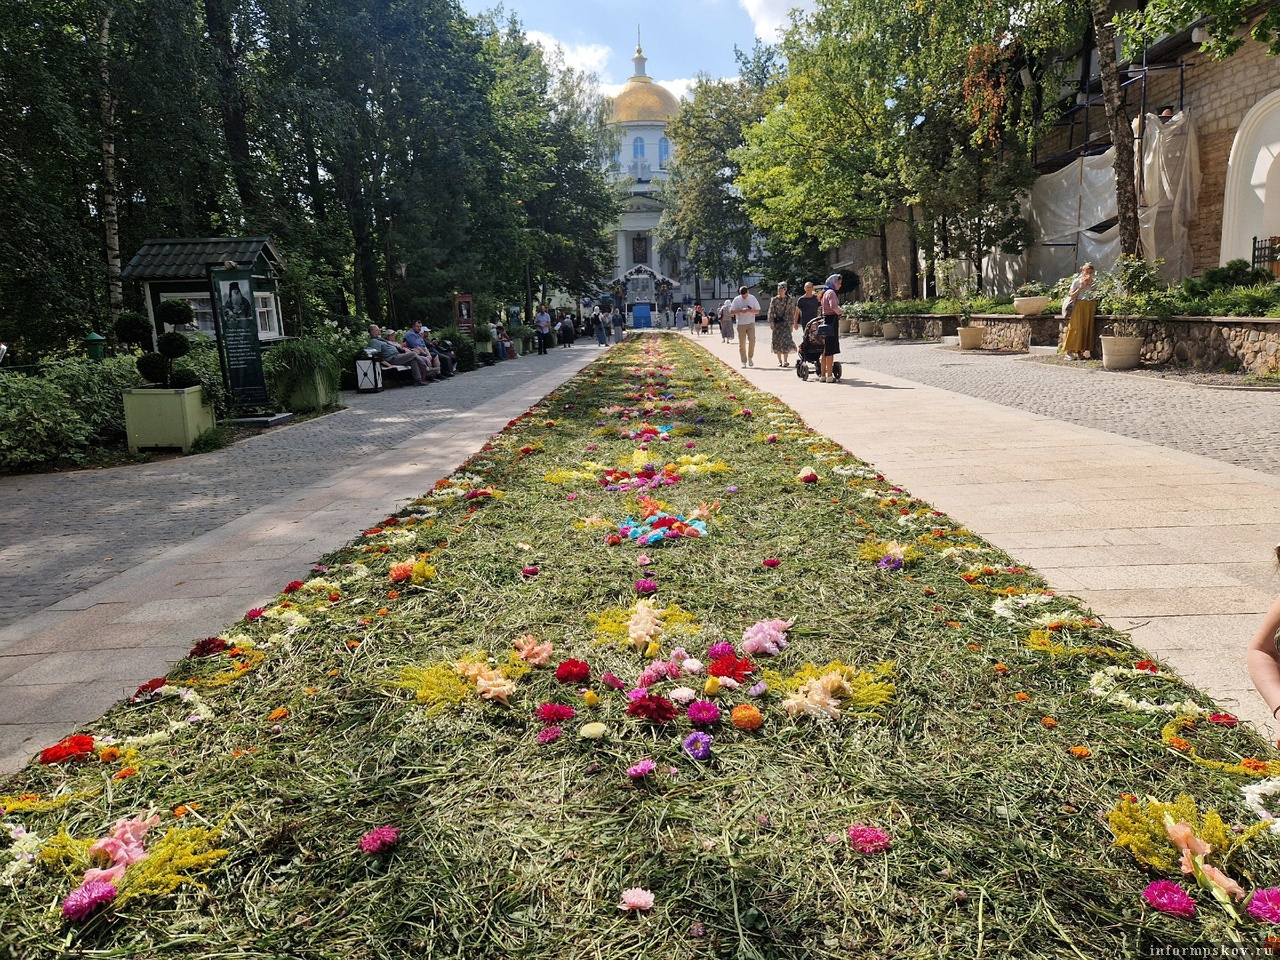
{"points": [[593, 731], [653, 649], [591, 698], [712, 686]]}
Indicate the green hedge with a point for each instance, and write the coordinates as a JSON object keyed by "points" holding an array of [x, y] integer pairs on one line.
{"points": [[39, 424]]}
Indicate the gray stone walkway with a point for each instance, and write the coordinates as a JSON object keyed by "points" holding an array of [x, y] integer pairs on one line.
{"points": [[110, 575]]}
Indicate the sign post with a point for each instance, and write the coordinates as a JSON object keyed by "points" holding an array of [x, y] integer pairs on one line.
{"points": [[236, 326]]}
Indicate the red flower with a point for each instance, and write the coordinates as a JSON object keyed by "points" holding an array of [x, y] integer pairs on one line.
{"points": [[208, 647], [653, 708], [292, 586], [254, 614], [151, 686], [731, 666], [1147, 665], [1223, 719], [72, 748], [555, 713], [573, 671], [771, 561]]}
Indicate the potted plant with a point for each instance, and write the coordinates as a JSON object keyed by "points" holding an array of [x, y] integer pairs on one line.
{"points": [[867, 315], [1122, 346], [1031, 299], [303, 375], [483, 338], [524, 334], [970, 336], [888, 323], [172, 412]]}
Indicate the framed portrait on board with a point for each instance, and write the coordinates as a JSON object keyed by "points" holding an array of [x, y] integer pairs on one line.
{"points": [[464, 311], [640, 249]]}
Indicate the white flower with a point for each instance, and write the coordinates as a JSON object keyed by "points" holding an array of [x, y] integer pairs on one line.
{"points": [[1256, 795]]}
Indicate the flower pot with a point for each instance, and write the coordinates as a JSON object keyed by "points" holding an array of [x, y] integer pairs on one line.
{"points": [[889, 330], [971, 337], [156, 418], [314, 394], [1030, 306], [1121, 353], [846, 325], [866, 328]]}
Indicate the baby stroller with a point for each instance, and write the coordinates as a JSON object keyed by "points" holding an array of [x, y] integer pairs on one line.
{"points": [[812, 347]]}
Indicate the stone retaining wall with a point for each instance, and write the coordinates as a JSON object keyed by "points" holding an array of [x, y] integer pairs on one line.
{"points": [[1012, 332], [1210, 343]]}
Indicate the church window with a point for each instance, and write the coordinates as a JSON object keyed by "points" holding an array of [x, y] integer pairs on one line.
{"points": [[664, 151], [637, 148]]}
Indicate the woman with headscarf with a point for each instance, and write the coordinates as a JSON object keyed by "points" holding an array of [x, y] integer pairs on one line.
{"points": [[830, 306], [782, 314]]}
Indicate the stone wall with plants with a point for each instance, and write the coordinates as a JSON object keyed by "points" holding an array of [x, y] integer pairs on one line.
{"points": [[1016, 333]]}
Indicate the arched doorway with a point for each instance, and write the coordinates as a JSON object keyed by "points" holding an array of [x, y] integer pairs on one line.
{"points": [[1251, 201]]}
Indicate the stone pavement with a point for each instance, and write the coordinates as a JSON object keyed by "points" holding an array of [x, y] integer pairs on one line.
{"points": [[109, 575], [1156, 503]]}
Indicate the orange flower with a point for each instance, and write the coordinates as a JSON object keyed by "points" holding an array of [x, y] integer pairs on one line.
{"points": [[109, 754], [1000, 668], [1254, 765], [401, 571], [1022, 697], [1128, 798], [351, 645], [746, 716], [1179, 744], [1049, 722], [974, 646], [182, 809], [393, 594], [125, 773], [334, 673], [1080, 753], [383, 612], [953, 623], [311, 690], [335, 597], [279, 713]]}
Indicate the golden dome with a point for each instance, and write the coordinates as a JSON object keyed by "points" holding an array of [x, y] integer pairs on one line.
{"points": [[642, 100]]}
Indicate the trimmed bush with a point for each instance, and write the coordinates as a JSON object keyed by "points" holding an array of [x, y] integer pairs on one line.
{"points": [[96, 390], [39, 424]]}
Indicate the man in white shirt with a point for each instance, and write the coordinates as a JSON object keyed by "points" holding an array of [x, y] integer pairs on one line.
{"points": [[542, 328], [744, 309]]}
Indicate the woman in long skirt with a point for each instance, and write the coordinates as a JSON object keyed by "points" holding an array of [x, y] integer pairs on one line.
{"points": [[1079, 308], [782, 315]]}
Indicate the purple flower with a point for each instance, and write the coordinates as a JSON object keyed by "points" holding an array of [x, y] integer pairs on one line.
{"points": [[380, 839], [548, 734], [703, 713], [86, 898], [720, 650], [646, 587], [641, 770], [758, 689], [1264, 905], [730, 489], [698, 745], [1168, 897], [888, 562]]}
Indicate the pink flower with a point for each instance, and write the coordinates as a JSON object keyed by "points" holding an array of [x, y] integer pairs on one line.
{"points": [[642, 769], [571, 496], [636, 898], [1168, 897], [530, 571], [254, 614], [87, 898], [703, 713], [768, 637], [646, 587], [549, 735], [643, 560], [867, 839], [1264, 905], [122, 848], [380, 839], [771, 561], [612, 682], [555, 713], [720, 650]]}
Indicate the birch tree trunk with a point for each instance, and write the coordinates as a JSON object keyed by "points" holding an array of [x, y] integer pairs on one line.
{"points": [[1101, 12], [110, 209]]}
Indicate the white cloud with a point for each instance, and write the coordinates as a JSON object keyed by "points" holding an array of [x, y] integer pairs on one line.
{"points": [[771, 16], [591, 57]]}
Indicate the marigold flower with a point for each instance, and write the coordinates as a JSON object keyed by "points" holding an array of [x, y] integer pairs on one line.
{"points": [[868, 839], [1081, 753], [380, 839], [1169, 897], [1022, 697], [573, 671], [746, 716], [1254, 765], [109, 754], [1000, 668], [1048, 722], [1178, 743], [279, 713]]}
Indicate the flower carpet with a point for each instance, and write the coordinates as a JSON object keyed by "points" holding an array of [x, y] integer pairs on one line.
{"points": [[658, 672]]}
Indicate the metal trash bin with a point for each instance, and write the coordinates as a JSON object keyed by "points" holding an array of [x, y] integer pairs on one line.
{"points": [[368, 374]]}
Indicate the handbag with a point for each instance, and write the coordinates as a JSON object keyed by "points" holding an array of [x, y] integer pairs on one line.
{"points": [[1067, 304]]}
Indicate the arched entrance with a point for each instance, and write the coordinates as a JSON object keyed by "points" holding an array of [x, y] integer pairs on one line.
{"points": [[1251, 201]]}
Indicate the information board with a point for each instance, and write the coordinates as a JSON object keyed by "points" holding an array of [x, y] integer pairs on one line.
{"points": [[236, 323]]}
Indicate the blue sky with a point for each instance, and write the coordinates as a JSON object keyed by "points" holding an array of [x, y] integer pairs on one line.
{"points": [[681, 37]]}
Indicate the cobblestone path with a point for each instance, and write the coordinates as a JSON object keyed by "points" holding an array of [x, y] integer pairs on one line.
{"points": [[1233, 426]]}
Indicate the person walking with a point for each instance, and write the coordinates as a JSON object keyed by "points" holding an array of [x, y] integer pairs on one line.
{"points": [[1079, 308], [704, 322], [829, 303], [745, 310], [1263, 656], [542, 325], [726, 322], [782, 316], [600, 324], [619, 324]]}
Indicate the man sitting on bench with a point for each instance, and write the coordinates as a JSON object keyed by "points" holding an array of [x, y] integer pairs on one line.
{"points": [[415, 341], [392, 356]]}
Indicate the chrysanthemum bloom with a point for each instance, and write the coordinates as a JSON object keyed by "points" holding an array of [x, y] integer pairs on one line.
{"points": [[531, 651], [87, 898], [1022, 697], [1081, 753], [1169, 897], [573, 671], [642, 769], [767, 637], [646, 587], [530, 571], [682, 694], [1264, 905], [758, 689], [653, 708], [890, 563], [698, 745], [380, 839], [254, 614], [729, 665], [208, 647], [593, 731], [703, 713], [555, 712], [293, 586], [867, 839], [1048, 722], [401, 571], [549, 734], [636, 898], [746, 716], [808, 475], [77, 747], [720, 650], [771, 561]]}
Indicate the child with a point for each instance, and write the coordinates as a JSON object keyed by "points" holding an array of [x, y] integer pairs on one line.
{"points": [[1263, 655]]}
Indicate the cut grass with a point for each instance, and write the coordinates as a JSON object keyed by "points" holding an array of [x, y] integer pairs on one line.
{"points": [[510, 848]]}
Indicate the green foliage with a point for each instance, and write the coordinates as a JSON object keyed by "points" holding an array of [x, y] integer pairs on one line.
{"points": [[482, 333], [154, 368], [215, 438], [1236, 273], [173, 345], [201, 366], [134, 329], [175, 312], [96, 390], [463, 346], [293, 366], [40, 425], [1033, 289]]}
